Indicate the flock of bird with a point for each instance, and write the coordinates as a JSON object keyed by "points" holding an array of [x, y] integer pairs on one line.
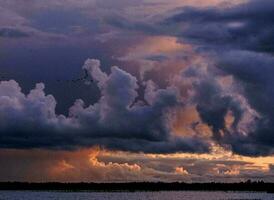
{"points": [[85, 77]]}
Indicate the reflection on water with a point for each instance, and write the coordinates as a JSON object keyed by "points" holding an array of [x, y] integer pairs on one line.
{"points": [[9, 195]]}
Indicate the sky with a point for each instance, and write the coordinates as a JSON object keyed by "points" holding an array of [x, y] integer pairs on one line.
{"points": [[136, 90]]}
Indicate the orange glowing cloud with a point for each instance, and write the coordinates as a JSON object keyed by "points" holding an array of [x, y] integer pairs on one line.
{"points": [[187, 123], [103, 166], [181, 171], [61, 167], [93, 159], [158, 53]]}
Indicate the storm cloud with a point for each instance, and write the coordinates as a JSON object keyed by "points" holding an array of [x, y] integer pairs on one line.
{"points": [[191, 97], [239, 41], [233, 41], [30, 121], [245, 26]]}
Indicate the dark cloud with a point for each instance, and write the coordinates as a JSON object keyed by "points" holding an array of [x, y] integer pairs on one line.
{"points": [[30, 121], [253, 71], [240, 40], [245, 26], [238, 37], [250, 103], [213, 106]]}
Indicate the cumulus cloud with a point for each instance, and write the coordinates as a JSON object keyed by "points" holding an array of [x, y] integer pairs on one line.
{"points": [[221, 106], [245, 99], [238, 42], [30, 121], [253, 71]]}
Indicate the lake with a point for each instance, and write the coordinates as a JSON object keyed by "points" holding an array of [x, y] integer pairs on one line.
{"points": [[182, 195]]}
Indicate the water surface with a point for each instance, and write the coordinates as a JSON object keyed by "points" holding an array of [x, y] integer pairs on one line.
{"points": [[183, 195]]}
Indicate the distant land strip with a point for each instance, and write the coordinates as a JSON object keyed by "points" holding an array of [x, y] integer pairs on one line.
{"points": [[139, 186]]}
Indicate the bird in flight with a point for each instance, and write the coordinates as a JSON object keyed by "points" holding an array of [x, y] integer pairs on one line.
{"points": [[84, 78]]}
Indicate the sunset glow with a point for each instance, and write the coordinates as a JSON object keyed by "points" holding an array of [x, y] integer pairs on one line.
{"points": [[124, 91]]}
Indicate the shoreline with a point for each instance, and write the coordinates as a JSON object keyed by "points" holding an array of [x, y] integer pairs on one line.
{"points": [[138, 187]]}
